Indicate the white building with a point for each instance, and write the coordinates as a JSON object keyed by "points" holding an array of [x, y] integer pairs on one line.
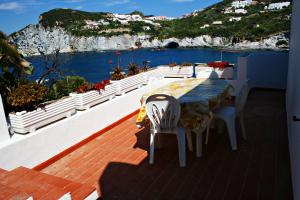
{"points": [[235, 19], [146, 28], [91, 24], [240, 4], [103, 22], [240, 11], [228, 10], [157, 18], [217, 23], [278, 6], [205, 26]]}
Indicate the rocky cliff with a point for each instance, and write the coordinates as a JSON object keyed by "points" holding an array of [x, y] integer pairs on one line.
{"points": [[35, 39]]}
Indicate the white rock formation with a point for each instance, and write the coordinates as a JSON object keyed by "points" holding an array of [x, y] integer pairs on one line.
{"points": [[35, 39]]}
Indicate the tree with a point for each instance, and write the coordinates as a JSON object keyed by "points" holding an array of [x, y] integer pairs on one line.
{"points": [[10, 57], [136, 12], [13, 68], [13, 65]]}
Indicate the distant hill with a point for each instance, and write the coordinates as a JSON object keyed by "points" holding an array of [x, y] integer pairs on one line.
{"points": [[254, 25], [257, 23]]}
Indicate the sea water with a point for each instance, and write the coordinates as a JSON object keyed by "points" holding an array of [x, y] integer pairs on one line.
{"points": [[96, 66]]}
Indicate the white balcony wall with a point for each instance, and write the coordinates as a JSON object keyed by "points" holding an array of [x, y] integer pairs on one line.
{"points": [[268, 70], [4, 134], [34, 148]]}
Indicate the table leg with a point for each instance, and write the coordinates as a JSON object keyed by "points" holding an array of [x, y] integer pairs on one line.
{"points": [[199, 133], [189, 138]]}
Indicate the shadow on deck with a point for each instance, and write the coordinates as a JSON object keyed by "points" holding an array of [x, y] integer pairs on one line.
{"points": [[117, 162]]}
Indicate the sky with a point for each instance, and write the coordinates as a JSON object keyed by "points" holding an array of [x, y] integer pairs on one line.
{"points": [[16, 14]]}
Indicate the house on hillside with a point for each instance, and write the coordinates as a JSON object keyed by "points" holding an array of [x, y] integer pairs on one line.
{"points": [[157, 18], [217, 23], [91, 24], [235, 19], [205, 26], [278, 6], [146, 28], [228, 10], [240, 4], [240, 11]]}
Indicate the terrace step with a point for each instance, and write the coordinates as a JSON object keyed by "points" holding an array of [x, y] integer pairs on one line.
{"points": [[12, 193], [43, 186], [2, 172]]}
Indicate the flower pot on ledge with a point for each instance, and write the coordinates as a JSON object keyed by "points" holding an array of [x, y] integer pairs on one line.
{"points": [[84, 101], [24, 122]]}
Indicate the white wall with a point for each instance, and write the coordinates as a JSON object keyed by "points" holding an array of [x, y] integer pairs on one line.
{"points": [[4, 134], [35, 148], [293, 99], [268, 70]]}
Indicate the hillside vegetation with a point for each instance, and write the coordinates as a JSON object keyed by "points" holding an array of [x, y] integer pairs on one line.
{"points": [[254, 25]]}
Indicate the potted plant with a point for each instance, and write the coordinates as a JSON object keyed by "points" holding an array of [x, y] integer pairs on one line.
{"points": [[186, 64], [32, 110], [133, 69], [171, 65], [117, 74], [88, 95], [219, 65]]}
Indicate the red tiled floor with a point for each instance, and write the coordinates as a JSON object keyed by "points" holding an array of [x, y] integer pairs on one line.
{"points": [[117, 162]]}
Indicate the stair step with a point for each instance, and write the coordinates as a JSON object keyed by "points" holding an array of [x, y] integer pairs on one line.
{"points": [[50, 187], [82, 192], [2, 173], [12, 193]]}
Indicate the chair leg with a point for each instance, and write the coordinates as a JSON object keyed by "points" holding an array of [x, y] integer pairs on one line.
{"points": [[230, 123], [181, 147], [189, 139], [220, 126], [159, 141], [152, 146], [242, 121], [207, 132], [199, 142]]}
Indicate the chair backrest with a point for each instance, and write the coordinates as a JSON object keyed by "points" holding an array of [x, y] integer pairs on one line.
{"points": [[213, 75], [241, 97], [163, 111], [227, 73]]}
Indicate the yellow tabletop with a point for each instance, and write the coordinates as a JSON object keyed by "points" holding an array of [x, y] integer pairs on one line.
{"points": [[198, 97]]}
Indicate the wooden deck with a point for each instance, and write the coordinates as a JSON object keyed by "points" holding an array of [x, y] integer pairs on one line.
{"points": [[117, 162]]}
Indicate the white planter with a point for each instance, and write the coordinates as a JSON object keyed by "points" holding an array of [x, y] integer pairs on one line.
{"points": [[130, 83], [24, 122], [86, 100], [114, 81]]}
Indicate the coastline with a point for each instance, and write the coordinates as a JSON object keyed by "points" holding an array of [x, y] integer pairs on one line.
{"points": [[48, 41], [223, 49]]}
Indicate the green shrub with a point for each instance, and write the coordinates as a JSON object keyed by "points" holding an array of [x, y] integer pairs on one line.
{"points": [[85, 87], [117, 74], [174, 64], [65, 86], [186, 64], [27, 96], [133, 69]]}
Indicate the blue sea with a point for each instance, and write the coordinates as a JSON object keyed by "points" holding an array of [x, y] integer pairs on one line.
{"points": [[96, 66]]}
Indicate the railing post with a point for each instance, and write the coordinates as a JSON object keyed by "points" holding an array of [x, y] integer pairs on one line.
{"points": [[242, 64], [194, 70], [4, 134]]}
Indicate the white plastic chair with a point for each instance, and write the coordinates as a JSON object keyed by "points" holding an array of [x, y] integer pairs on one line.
{"points": [[229, 113], [164, 113], [227, 73]]}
